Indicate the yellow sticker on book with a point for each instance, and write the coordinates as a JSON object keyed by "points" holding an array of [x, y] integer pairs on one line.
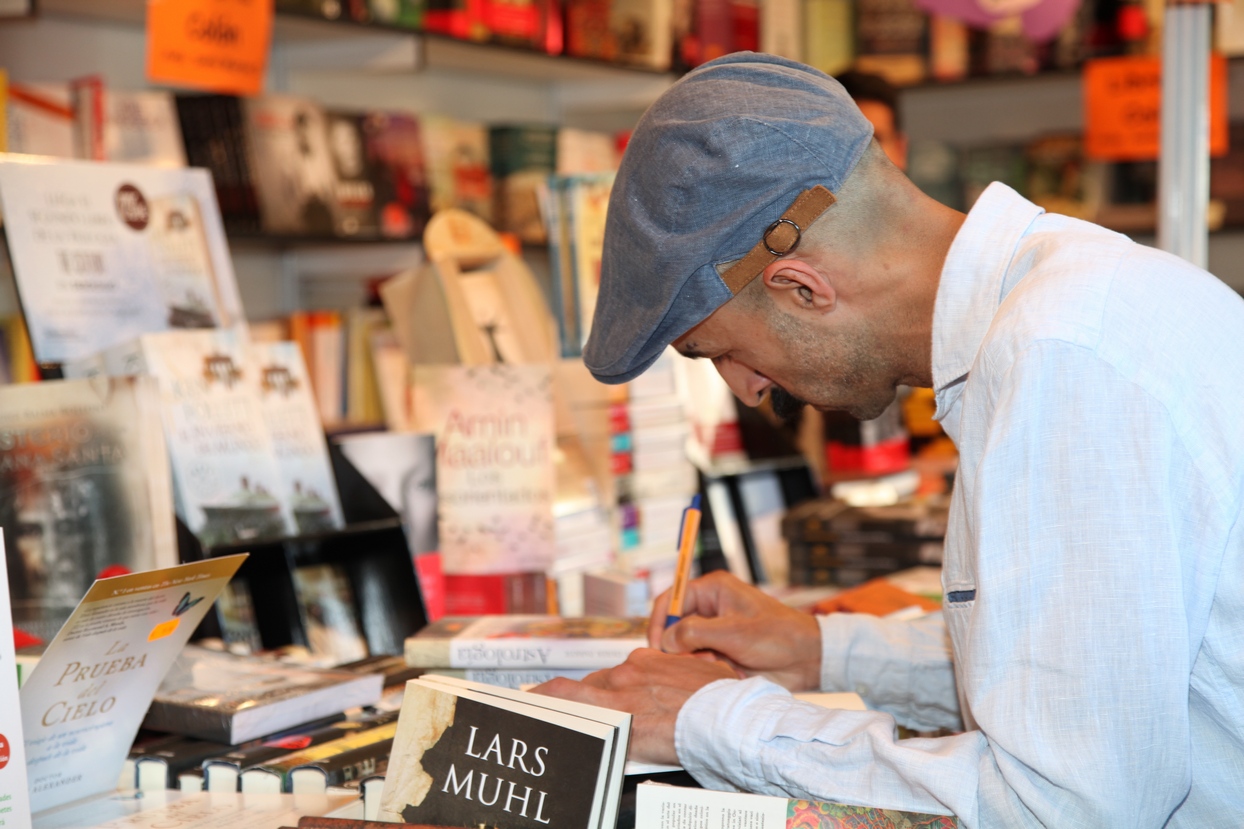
{"points": [[163, 629]]}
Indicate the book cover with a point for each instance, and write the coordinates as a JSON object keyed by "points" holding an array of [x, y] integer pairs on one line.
{"points": [[587, 200], [330, 618], [400, 173], [232, 699], [890, 40], [104, 252], [465, 758], [13, 782], [354, 193], [187, 810], [642, 32], [228, 483], [458, 165], [40, 119], [677, 807], [292, 165], [141, 127], [84, 488], [522, 157], [527, 642], [84, 702], [279, 378], [494, 464]]}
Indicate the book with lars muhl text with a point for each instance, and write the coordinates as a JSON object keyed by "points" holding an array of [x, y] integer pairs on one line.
{"points": [[467, 757]]}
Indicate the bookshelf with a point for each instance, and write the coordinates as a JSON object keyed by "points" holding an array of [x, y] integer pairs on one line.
{"points": [[344, 64]]}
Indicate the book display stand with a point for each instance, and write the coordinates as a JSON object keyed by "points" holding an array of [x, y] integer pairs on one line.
{"points": [[371, 550]]}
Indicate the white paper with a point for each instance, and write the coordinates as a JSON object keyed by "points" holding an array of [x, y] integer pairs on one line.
{"points": [[675, 807], [84, 702], [14, 799]]}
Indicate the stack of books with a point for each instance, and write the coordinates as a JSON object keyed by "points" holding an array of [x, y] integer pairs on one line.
{"points": [[517, 650], [832, 542]]}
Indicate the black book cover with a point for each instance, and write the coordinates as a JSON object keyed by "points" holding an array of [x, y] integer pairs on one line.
{"points": [[460, 761]]}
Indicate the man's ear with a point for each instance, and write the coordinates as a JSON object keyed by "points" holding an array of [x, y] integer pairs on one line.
{"points": [[797, 285]]}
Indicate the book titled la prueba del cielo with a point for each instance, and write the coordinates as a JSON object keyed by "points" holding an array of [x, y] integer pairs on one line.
{"points": [[530, 642], [467, 757], [105, 252]]}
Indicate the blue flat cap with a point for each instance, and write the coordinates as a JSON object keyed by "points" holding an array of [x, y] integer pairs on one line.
{"points": [[730, 163]]}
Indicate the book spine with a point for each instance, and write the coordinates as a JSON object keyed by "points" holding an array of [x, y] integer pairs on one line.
{"points": [[315, 822], [540, 653], [350, 767]]}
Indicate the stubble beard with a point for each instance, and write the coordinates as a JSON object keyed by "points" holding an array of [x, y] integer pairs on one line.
{"points": [[851, 367]]}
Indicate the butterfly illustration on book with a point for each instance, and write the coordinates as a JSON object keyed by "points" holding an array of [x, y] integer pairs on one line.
{"points": [[185, 604], [166, 627]]}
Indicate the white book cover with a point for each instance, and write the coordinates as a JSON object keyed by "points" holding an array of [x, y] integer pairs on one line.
{"points": [[85, 487], [141, 127], [105, 252], [164, 809], [278, 375], [494, 464], [84, 702], [227, 478], [40, 119], [14, 797]]}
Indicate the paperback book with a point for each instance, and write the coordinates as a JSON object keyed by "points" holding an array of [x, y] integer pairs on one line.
{"points": [[335, 762], [465, 756], [494, 464], [103, 253], [84, 488], [292, 166], [330, 617], [233, 699], [526, 642], [278, 376], [677, 807], [228, 482], [84, 702]]}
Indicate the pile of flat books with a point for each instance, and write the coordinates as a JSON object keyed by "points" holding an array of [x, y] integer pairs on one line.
{"points": [[518, 650]]}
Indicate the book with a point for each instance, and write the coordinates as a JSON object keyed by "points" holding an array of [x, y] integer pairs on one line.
{"points": [[13, 782], [194, 810], [357, 754], [494, 466], [84, 702], [890, 40], [228, 484], [40, 119], [466, 756], [141, 127], [527, 642], [278, 376], [232, 699], [458, 167], [354, 192], [642, 32], [103, 253], [329, 615], [293, 171], [84, 488], [223, 771], [513, 678], [522, 157], [400, 173], [678, 807]]}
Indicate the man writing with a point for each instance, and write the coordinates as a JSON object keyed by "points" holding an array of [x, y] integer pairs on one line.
{"points": [[1091, 638]]}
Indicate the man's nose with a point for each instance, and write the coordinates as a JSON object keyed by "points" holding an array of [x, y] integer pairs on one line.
{"points": [[747, 385]]}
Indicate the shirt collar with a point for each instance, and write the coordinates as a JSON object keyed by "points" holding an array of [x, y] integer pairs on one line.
{"points": [[972, 283]]}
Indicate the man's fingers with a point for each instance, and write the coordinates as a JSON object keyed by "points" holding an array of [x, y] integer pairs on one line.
{"points": [[656, 621]]}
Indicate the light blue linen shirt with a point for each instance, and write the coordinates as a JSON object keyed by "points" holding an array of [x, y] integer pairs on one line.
{"points": [[1094, 565]]}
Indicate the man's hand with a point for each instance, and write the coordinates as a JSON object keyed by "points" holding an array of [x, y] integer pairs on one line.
{"points": [[755, 633], [650, 685]]}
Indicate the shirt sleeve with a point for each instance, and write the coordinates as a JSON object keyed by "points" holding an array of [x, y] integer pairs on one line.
{"points": [[1071, 638], [900, 667]]}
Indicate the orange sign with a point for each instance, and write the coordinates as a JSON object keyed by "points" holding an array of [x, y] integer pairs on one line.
{"points": [[218, 45], [1123, 108]]}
